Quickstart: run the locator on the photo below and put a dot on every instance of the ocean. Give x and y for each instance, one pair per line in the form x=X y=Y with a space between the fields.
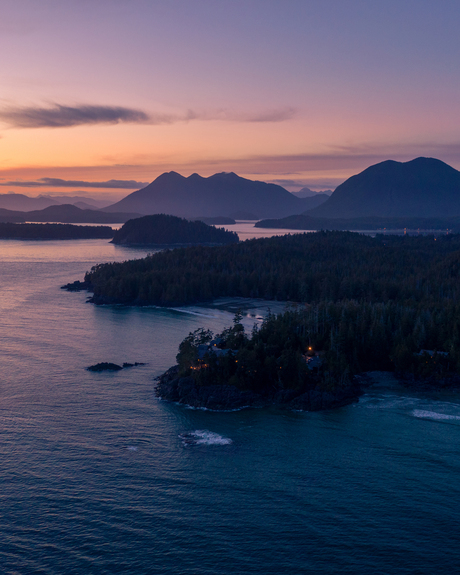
x=98 y=476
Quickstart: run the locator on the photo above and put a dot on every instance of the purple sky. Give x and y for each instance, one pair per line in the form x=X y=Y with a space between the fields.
x=298 y=92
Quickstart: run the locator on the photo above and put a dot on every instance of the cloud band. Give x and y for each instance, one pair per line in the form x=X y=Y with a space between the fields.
x=59 y=183
x=59 y=116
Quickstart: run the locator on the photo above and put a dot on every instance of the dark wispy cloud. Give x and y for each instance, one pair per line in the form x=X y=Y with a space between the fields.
x=58 y=116
x=59 y=183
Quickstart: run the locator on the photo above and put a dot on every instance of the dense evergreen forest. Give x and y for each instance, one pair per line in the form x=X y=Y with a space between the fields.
x=161 y=229
x=53 y=232
x=315 y=267
x=323 y=346
x=365 y=303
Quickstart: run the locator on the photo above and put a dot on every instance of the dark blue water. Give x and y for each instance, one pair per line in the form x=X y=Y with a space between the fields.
x=98 y=476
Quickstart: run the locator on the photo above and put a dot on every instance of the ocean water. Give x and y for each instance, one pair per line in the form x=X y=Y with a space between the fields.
x=97 y=476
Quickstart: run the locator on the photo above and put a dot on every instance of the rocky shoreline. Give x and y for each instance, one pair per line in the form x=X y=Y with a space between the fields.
x=184 y=390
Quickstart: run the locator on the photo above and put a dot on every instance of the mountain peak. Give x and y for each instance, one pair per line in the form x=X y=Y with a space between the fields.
x=226 y=176
x=218 y=195
x=168 y=176
x=421 y=187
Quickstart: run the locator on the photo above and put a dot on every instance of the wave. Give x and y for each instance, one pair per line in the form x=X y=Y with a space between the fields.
x=191 y=312
x=435 y=415
x=204 y=437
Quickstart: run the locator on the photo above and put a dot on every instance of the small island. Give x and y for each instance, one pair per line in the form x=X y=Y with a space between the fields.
x=215 y=221
x=109 y=366
x=164 y=230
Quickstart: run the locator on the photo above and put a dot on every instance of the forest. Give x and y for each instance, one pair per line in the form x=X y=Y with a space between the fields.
x=364 y=303
x=53 y=232
x=312 y=267
x=325 y=345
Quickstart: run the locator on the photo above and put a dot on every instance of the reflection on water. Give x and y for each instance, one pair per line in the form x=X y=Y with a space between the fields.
x=98 y=476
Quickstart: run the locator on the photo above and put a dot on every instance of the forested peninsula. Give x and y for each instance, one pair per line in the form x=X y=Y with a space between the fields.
x=164 y=230
x=383 y=303
x=313 y=268
x=53 y=232
x=277 y=365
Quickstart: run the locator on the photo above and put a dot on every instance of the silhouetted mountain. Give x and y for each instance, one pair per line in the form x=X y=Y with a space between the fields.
x=91 y=203
x=66 y=214
x=307 y=193
x=11 y=216
x=313 y=201
x=219 y=195
x=161 y=229
x=85 y=206
x=424 y=187
x=23 y=203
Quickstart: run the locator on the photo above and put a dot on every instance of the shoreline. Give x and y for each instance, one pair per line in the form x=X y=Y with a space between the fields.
x=226 y=398
x=185 y=391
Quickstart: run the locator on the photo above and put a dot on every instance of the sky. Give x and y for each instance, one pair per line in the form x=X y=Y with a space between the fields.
x=102 y=96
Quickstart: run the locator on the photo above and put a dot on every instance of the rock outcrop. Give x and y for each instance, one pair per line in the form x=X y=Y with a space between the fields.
x=184 y=390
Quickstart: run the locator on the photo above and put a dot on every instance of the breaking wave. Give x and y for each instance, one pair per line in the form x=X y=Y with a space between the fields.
x=424 y=414
x=204 y=437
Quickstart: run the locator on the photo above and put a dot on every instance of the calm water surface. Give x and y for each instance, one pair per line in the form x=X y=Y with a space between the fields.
x=98 y=476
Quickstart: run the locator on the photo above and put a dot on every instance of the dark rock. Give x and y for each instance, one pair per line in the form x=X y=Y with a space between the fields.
x=135 y=364
x=104 y=366
x=184 y=390
x=77 y=286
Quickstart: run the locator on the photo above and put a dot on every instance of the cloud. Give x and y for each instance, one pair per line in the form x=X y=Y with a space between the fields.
x=279 y=115
x=58 y=183
x=225 y=115
x=65 y=116
x=58 y=116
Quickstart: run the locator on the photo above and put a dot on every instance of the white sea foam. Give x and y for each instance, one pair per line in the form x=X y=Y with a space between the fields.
x=424 y=414
x=191 y=312
x=204 y=437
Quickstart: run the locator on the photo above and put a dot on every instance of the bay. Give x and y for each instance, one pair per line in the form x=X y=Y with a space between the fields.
x=98 y=476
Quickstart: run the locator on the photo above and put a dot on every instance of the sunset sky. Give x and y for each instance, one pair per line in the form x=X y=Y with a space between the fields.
x=298 y=92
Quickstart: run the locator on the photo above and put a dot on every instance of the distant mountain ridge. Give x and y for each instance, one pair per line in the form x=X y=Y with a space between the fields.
x=24 y=203
x=65 y=213
x=222 y=194
x=424 y=187
x=307 y=193
x=318 y=199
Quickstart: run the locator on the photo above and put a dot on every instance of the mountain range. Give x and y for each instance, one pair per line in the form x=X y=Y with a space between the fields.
x=307 y=193
x=224 y=194
x=420 y=188
x=65 y=213
x=24 y=203
x=424 y=187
